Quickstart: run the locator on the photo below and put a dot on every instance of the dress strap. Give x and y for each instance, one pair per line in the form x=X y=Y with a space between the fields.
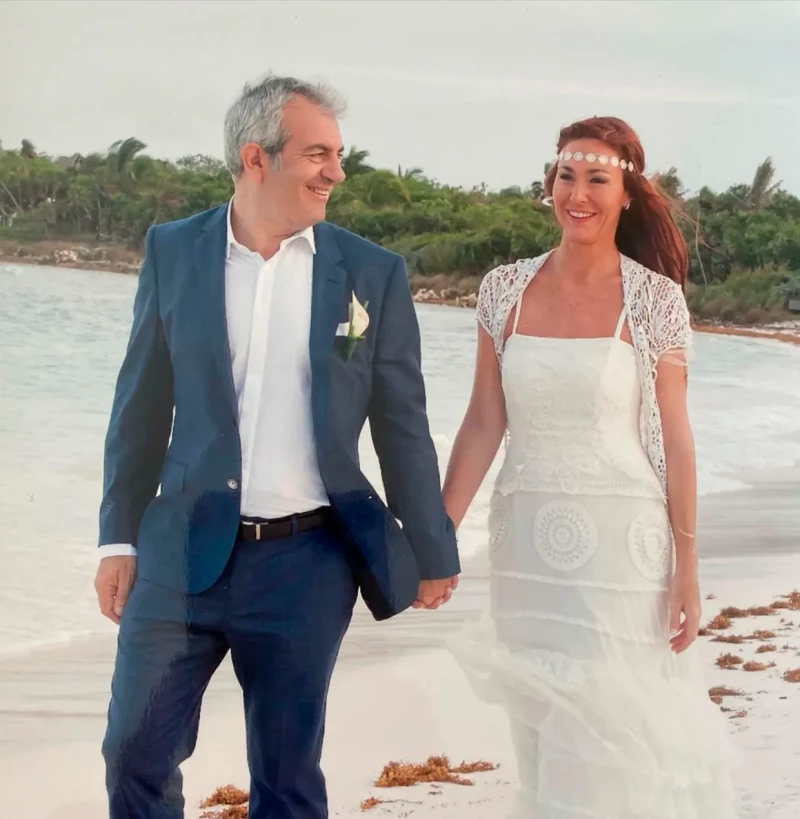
x=620 y=323
x=517 y=310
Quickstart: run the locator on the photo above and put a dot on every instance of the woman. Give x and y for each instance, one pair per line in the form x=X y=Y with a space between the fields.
x=582 y=359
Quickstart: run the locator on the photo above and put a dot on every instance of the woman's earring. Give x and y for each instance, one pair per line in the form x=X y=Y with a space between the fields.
x=547 y=200
x=626 y=205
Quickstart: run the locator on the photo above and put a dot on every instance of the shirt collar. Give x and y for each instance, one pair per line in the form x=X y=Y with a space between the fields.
x=307 y=234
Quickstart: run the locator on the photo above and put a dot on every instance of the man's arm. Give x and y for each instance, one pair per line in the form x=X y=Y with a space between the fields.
x=136 y=441
x=401 y=435
x=141 y=416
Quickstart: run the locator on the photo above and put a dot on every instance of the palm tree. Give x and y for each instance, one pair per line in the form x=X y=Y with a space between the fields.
x=670 y=183
x=121 y=154
x=79 y=202
x=354 y=163
x=762 y=190
x=94 y=174
x=27 y=150
x=409 y=173
x=68 y=163
x=383 y=189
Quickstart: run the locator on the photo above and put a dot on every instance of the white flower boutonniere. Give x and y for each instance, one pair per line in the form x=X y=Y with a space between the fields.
x=359 y=321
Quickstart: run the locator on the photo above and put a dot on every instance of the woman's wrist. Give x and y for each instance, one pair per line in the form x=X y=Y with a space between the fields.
x=686 y=563
x=685 y=550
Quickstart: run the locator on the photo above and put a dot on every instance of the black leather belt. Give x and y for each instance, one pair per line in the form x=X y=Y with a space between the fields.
x=277 y=528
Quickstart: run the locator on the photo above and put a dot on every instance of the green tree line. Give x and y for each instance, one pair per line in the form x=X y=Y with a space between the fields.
x=749 y=233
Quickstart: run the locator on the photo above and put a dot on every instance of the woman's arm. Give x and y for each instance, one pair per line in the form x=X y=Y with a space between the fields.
x=679 y=451
x=480 y=433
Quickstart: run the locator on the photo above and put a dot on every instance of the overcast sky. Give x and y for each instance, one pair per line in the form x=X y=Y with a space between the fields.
x=470 y=91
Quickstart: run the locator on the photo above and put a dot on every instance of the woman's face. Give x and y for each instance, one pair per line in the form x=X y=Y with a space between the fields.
x=588 y=195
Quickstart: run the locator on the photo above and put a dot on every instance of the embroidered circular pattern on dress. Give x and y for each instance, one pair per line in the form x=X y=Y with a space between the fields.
x=650 y=545
x=499 y=522
x=564 y=534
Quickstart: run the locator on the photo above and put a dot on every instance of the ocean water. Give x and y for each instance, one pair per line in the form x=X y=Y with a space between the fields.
x=63 y=334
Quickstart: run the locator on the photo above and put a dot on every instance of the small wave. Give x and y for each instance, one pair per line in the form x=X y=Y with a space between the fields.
x=709 y=483
x=24 y=646
x=720 y=381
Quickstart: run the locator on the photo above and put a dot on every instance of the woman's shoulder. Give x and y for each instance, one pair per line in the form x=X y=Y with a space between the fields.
x=656 y=283
x=658 y=303
x=653 y=297
x=500 y=290
x=506 y=277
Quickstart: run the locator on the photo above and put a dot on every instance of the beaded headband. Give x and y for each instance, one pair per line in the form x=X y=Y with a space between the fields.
x=603 y=159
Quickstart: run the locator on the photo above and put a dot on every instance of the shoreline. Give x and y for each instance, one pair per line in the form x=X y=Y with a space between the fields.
x=113 y=259
x=787 y=331
x=74 y=255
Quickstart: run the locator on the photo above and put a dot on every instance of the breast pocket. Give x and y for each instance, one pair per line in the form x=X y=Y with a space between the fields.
x=352 y=374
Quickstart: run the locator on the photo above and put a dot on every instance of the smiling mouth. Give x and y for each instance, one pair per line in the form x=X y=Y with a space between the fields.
x=323 y=193
x=580 y=215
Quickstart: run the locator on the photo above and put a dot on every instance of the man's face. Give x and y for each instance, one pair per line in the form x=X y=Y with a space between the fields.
x=296 y=187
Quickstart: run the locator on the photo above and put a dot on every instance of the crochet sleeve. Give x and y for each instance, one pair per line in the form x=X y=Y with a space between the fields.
x=487 y=303
x=672 y=327
x=495 y=298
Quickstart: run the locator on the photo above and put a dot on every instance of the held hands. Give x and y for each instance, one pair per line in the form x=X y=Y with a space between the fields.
x=435 y=593
x=113 y=583
x=684 y=600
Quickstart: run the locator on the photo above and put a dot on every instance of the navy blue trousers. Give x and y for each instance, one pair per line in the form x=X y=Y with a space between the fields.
x=281 y=608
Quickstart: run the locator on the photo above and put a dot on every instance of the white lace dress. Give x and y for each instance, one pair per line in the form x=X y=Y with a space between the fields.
x=607 y=721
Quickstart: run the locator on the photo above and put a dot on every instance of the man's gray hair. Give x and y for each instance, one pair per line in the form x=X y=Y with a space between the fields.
x=257 y=115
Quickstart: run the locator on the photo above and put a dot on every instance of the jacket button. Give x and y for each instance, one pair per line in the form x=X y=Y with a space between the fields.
x=232 y=484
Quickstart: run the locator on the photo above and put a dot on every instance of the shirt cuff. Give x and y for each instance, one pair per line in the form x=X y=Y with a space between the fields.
x=117 y=550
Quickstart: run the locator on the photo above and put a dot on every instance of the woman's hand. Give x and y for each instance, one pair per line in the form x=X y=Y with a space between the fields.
x=684 y=609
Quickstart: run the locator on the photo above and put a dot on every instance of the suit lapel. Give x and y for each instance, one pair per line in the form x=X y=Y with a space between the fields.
x=210 y=253
x=328 y=294
x=328 y=308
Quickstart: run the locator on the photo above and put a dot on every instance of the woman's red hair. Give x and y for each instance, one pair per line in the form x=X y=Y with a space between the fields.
x=647 y=231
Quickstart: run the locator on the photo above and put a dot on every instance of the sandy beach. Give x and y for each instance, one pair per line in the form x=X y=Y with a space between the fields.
x=398 y=695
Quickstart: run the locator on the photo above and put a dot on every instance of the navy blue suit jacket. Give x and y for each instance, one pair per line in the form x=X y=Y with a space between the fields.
x=176 y=381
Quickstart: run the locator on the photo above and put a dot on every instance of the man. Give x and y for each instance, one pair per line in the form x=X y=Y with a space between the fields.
x=262 y=340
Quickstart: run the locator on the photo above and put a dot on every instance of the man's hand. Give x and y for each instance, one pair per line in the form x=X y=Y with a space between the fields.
x=113 y=583
x=435 y=593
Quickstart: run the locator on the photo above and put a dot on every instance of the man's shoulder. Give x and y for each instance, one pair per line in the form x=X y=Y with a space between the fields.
x=189 y=225
x=355 y=247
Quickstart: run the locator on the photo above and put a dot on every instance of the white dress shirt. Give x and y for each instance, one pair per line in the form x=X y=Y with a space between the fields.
x=268 y=311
